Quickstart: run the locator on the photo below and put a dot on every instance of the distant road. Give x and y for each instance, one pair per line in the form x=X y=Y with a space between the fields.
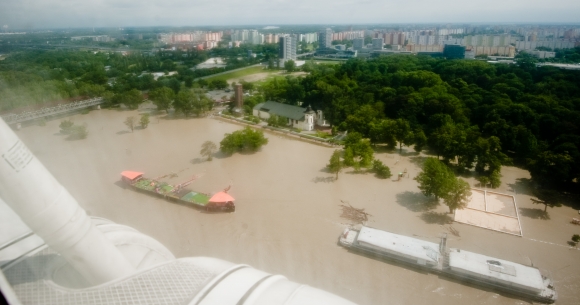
x=305 y=54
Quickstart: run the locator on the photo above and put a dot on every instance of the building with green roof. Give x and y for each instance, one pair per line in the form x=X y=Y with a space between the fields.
x=298 y=117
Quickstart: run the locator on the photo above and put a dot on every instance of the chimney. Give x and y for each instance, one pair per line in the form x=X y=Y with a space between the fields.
x=239 y=96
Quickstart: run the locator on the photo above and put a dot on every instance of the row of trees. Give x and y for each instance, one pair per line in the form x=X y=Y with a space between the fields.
x=187 y=102
x=357 y=154
x=131 y=121
x=436 y=178
x=29 y=78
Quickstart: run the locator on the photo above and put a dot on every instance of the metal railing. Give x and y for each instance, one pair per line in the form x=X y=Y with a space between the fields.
x=49 y=111
x=335 y=141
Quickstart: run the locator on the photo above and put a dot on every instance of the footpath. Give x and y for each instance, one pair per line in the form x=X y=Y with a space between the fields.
x=277 y=131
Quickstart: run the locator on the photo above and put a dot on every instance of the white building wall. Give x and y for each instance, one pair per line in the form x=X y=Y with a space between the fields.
x=309 y=122
x=261 y=114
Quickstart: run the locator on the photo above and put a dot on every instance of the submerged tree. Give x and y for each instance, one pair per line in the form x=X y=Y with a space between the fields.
x=144 y=120
x=358 y=152
x=548 y=198
x=575 y=239
x=381 y=169
x=73 y=131
x=335 y=165
x=162 y=98
x=130 y=122
x=184 y=102
x=78 y=132
x=457 y=195
x=403 y=133
x=131 y=99
x=66 y=126
x=245 y=139
x=495 y=179
x=192 y=102
x=419 y=139
x=436 y=179
x=208 y=148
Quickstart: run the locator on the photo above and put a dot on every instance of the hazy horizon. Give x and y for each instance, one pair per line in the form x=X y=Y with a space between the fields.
x=51 y=14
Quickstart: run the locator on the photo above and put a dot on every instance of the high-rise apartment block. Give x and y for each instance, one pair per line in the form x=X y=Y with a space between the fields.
x=378 y=43
x=443 y=32
x=325 y=38
x=248 y=36
x=453 y=51
x=287 y=48
x=487 y=40
x=349 y=35
x=308 y=37
x=554 y=44
x=240 y=35
x=358 y=43
x=206 y=40
x=255 y=38
x=271 y=38
x=394 y=38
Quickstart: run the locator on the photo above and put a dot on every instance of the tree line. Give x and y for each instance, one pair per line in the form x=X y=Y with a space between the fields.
x=31 y=78
x=472 y=114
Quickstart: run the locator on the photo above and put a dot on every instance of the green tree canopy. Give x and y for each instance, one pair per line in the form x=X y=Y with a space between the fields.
x=289 y=66
x=217 y=84
x=208 y=148
x=335 y=165
x=435 y=179
x=162 y=97
x=184 y=102
x=457 y=196
x=246 y=139
x=144 y=120
x=201 y=103
x=402 y=132
x=358 y=152
x=66 y=126
x=131 y=99
x=130 y=122
x=277 y=121
x=419 y=139
x=381 y=169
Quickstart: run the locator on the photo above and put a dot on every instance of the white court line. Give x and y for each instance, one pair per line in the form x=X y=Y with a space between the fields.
x=549 y=243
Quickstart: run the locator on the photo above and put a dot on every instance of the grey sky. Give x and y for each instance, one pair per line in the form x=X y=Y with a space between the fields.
x=100 y=13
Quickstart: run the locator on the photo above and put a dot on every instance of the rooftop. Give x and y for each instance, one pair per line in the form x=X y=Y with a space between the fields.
x=283 y=110
x=495 y=268
x=416 y=248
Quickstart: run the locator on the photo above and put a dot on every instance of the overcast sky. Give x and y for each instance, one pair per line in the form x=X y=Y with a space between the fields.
x=39 y=14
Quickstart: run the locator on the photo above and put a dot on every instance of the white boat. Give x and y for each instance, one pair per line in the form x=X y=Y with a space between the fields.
x=510 y=277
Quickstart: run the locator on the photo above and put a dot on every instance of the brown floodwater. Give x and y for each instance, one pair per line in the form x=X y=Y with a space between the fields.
x=287 y=216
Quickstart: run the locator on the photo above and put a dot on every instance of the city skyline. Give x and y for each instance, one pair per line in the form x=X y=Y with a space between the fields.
x=37 y=14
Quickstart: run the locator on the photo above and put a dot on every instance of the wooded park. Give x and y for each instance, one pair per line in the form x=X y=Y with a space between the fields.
x=472 y=114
